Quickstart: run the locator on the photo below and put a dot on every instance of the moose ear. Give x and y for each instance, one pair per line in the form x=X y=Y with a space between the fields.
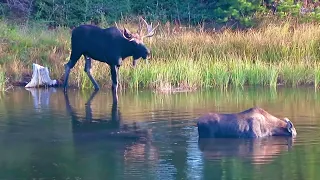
x=127 y=34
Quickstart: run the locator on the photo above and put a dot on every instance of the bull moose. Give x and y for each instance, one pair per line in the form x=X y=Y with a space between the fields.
x=110 y=45
x=251 y=123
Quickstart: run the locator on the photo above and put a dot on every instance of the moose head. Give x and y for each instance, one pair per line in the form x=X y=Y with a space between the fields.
x=136 y=40
x=290 y=128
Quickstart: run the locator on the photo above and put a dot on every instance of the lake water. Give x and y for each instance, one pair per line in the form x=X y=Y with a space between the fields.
x=47 y=135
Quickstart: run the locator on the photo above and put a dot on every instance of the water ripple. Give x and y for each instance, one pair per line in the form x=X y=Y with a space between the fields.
x=50 y=138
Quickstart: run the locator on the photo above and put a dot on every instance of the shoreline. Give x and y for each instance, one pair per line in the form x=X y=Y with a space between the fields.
x=167 y=90
x=271 y=56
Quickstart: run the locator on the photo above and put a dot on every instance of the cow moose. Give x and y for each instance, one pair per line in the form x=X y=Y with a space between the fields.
x=110 y=45
x=251 y=123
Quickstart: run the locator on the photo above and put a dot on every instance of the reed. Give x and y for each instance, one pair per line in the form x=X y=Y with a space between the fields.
x=2 y=79
x=316 y=77
x=285 y=54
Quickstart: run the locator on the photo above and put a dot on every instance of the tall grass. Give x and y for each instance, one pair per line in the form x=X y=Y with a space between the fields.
x=283 y=54
x=2 y=79
x=316 y=76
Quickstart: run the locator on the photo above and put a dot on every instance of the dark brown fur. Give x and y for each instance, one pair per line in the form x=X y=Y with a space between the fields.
x=252 y=123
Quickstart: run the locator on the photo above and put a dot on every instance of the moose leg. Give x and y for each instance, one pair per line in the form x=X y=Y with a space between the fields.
x=88 y=106
x=71 y=111
x=134 y=63
x=114 y=76
x=87 y=70
x=66 y=76
x=73 y=60
x=115 y=115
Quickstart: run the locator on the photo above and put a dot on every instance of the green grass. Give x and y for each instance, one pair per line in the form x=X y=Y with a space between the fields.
x=272 y=55
x=316 y=77
x=2 y=79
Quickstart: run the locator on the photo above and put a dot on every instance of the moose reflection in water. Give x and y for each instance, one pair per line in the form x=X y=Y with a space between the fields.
x=110 y=138
x=258 y=150
x=102 y=127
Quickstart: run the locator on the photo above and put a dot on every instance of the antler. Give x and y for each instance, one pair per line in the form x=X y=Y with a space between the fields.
x=150 y=30
x=140 y=27
x=125 y=33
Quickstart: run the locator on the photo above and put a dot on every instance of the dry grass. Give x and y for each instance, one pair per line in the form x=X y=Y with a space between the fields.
x=283 y=54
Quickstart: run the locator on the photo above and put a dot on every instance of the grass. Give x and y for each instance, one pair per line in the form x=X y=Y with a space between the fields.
x=276 y=54
x=2 y=79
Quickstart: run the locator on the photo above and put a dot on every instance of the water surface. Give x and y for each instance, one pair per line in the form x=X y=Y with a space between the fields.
x=45 y=134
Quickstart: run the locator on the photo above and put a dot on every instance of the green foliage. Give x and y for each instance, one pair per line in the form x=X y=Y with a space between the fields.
x=291 y=9
x=286 y=8
x=192 y=12
x=72 y=13
x=239 y=10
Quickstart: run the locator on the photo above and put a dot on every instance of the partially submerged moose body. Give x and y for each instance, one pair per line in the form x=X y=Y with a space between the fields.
x=110 y=45
x=252 y=123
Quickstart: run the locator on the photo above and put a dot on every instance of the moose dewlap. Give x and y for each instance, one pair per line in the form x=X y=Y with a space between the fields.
x=251 y=123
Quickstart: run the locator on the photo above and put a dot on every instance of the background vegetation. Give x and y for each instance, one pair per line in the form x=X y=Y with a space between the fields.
x=213 y=44
x=191 y=12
